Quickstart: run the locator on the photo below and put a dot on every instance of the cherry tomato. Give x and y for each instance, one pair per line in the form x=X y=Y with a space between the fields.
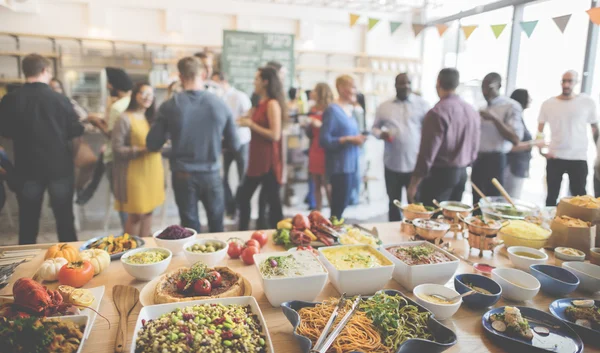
x=253 y=242
x=76 y=274
x=202 y=287
x=234 y=250
x=214 y=278
x=260 y=237
x=181 y=285
x=248 y=254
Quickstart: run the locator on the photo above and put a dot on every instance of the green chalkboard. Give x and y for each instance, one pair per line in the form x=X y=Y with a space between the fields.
x=244 y=52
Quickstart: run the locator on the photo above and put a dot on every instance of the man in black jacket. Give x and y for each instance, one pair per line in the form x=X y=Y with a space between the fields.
x=42 y=124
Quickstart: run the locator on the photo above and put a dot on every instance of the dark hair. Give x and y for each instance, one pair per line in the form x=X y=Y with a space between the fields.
x=493 y=77
x=190 y=67
x=275 y=65
x=293 y=93
x=274 y=89
x=62 y=87
x=522 y=96
x=221 y=75
x=449 y=79
x=202 y=55
x=151 y=111
x=34 y=64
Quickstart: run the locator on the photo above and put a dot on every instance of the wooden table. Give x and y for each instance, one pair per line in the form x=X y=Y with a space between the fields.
x=466 y=323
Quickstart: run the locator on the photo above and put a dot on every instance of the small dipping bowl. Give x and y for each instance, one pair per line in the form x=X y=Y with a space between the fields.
x=595 y=256
x=523 y=262
x=516 y=285
x=440 y=311
x=477 y=300
x=560 y=255
x=483 y=269
x=555 y=281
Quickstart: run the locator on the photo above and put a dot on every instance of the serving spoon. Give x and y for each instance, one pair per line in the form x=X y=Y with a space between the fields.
x=455 y=298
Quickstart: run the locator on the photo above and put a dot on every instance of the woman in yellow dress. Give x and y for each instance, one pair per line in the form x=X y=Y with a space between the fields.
x=138 y=174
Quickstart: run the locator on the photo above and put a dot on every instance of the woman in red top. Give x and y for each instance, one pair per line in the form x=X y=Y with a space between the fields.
x=265 y=166
x=322 y=96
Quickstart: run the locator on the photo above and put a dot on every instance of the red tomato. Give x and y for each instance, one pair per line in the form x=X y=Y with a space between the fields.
x=181 y=285
x=253 y=242
x=235 y=249
x=248 y=254
x=76 y=274
x=202 y=287
x=214 y=278
x=260 y=237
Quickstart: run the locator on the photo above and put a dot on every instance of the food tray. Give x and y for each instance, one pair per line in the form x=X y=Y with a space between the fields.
x=118 y=255
x=445 y=338
x=588 y=335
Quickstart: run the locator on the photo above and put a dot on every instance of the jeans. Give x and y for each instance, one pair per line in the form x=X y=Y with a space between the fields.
x=109 y=175
x=31 y=197
x=241 y=160
x=394 y=183
x=487 y=167
x=341 y=190
x=270 y=188
x=189 y=189
x=443 y=184
x=556 y=168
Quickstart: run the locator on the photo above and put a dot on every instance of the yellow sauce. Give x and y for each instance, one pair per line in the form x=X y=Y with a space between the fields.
x=529 y=255
x=434 y=300
x=355 y=257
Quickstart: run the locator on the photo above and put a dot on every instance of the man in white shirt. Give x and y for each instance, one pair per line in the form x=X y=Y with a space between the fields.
x=398 y=123
x=568 y=116
x=240 y=105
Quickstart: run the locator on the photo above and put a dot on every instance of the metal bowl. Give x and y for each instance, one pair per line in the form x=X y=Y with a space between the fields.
x=429 y=229
x=407 y=228
x=411 y=215
x=482 y=230
x=450 y=209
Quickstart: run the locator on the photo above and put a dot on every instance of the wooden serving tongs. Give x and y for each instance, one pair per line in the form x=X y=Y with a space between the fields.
x=125 y=298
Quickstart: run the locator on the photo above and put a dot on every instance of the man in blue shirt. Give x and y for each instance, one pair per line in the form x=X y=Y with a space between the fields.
x=196 y=121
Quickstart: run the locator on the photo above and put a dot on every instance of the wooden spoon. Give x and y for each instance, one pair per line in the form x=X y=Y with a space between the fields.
x=503 y=192
x=479 y=192
x=125 y=298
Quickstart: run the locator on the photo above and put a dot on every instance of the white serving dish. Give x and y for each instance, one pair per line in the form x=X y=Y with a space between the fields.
x=440 y=311
x=508 y=278
x=411 y=276
x=79 y=320
x=175 y=245
x=98 y=293
x=280 y=290
x=154 y=311
x=588 y=274
x=358 y=281
x=209 y=259
x=146 y=272
x=523 y=263
x=566 y=257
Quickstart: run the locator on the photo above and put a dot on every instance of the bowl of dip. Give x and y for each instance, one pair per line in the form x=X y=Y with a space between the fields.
x=568 y=254
x=146 y=263
x=441 y=309
x=522 y=257
x=356 y=269
x=287 y=276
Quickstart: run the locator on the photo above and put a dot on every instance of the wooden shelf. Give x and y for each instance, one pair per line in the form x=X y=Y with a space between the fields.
x=21 y=54
x=172 y=61
x=9 y=80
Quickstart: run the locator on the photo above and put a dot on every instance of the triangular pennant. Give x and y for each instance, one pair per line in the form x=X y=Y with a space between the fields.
x=373 y=22
x=394 y=26
x=562 y=22
x=468 y=30
x=417 y=28
x=528 y=27
x=594 y=14
x=498 y=29
x=353 y=19
x=442 y=28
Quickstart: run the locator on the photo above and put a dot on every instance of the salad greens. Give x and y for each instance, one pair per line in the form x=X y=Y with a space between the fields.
x=282 y=237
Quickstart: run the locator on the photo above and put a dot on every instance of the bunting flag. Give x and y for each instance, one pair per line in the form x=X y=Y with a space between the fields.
x=442 y=28
x=394 y=26
x=417 y=28
x=373 y=22
x=562 y=22
x=468 y=30
x=498 y=29
x=353 y=19
x=594 y=14
x=528 y=27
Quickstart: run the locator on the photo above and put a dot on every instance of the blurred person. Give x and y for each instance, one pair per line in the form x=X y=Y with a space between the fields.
x=240 y=105
x=398 y=122
x=174 y=88
x=207 y=59
x=449 y=143
x=501 y=129
x=41 y=124
x=138 y=175
x=265 y=166
x=359 y=113
x=322 y=95
x=197 y=122
x=341 y=139
x=568 y=116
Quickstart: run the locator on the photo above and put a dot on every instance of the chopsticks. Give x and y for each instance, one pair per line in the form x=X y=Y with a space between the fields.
x=503 y=192
x=331 y=338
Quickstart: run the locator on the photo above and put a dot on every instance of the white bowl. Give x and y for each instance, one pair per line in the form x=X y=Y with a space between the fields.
x=588 y=274
x=440 y=311
x=175 y=245
x=358 y=281
x=280 y=290
x=411 y=276
x=153 y=312
x=522 y=262
x=565 y=257
x=516 y=284
x=146 y=272
x=209 y=259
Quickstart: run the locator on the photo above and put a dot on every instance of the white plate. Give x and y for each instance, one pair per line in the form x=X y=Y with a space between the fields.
x=80 y=320
x=154 y=311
